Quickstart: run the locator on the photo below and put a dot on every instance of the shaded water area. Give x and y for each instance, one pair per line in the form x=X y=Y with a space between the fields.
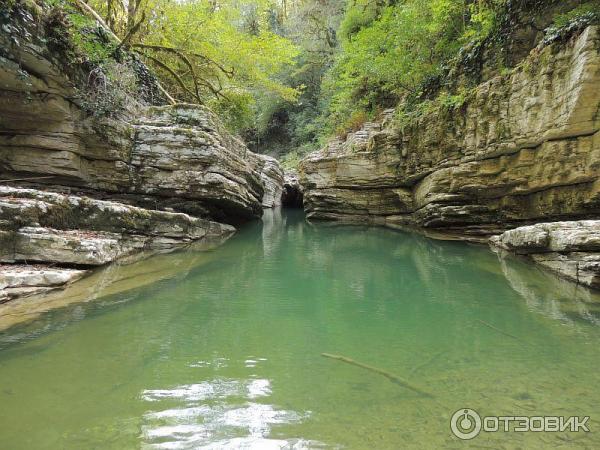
x=225 y=350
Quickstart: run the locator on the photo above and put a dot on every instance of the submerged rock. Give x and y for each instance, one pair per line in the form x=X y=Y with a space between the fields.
x=571 y=249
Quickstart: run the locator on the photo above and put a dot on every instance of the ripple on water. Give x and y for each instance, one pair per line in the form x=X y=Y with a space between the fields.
x=217 y=414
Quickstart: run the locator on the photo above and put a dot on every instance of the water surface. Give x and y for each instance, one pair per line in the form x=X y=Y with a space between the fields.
x=227 y=353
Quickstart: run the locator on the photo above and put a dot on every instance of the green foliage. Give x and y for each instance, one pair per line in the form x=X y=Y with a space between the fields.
x=483 y=20
x=280 y=124
x=236 y=111
x=225 y=55
x=451 y=102
x=89 y=39
x=389 y=57
x=445 y=103
x=291 y=160
x=361 y=14
x=587 y=10
x=287 y=74
x=110 y=88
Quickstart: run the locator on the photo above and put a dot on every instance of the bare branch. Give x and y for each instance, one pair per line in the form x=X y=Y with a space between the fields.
x=228 y=72
x=177 y=78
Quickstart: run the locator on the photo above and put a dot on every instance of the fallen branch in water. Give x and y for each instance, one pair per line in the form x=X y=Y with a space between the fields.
x=426 y=363
x=489 y=325
x=390 y=376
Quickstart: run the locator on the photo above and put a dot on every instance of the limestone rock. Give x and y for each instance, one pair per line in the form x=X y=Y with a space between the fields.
x=271 y=175
x=30 y=207
x=524 y=148
x=71 y=230
x=571 y=236
x=21 y=281
x=74 y=231
x=178 y=157
x=571 y=249
x=171 y=173
x=70 y=247
x=185 y=152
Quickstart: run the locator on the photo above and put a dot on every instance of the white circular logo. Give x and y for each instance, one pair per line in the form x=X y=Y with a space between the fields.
x=465 y=424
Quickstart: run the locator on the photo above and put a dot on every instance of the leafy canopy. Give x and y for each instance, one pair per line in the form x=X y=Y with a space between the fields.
x=389 y=49
x=222 y=53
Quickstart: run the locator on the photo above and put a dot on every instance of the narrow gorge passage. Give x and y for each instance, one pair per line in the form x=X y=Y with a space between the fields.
x=225 y=352
x=299 y=224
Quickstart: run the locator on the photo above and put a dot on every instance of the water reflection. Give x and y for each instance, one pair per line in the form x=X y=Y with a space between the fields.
x=549 y=295
x=224 y=352
x=122 y=276
x=217 y=414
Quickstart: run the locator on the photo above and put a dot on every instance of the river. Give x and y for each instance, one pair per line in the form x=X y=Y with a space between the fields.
x=227 y=353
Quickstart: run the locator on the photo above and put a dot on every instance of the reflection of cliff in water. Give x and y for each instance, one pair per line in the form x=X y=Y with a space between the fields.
x=370 y=266
x=121 y=276
x=408 y=258
x=550 y=295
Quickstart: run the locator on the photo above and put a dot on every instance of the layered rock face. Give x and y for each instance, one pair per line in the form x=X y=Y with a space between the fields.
x=178 y=157
x=293 y=194
x=76 y=233
x=175 y=157
x=524 y=148
x=571 y=249
x=272 y=177
x=90 y=187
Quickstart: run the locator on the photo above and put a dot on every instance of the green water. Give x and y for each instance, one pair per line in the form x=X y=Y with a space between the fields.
x=227 y=354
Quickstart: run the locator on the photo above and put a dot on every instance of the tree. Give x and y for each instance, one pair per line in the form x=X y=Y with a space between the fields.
x=221 y=53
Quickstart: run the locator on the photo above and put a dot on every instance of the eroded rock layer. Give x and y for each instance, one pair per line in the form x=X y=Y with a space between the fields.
x=98 y=172
x=178 y=157
x=523 y=148
x=571 y=249
x=79 y=232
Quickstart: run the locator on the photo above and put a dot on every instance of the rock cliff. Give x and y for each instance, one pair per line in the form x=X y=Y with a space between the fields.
x=178 y=157
x=523 y=147
x=87 y=187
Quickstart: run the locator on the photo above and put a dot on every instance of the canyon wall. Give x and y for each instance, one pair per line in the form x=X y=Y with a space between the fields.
x=524 y=147
x=85 y=186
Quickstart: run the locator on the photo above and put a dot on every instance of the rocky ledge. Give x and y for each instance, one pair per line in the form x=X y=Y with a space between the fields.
x=66 y=235
x=25 y=280
x=570 y=249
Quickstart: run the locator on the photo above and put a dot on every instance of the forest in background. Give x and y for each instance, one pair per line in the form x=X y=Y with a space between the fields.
x=286 y=75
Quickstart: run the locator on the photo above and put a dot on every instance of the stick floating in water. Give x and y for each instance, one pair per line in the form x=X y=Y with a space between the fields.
x=390 y=376
x=489 y=325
